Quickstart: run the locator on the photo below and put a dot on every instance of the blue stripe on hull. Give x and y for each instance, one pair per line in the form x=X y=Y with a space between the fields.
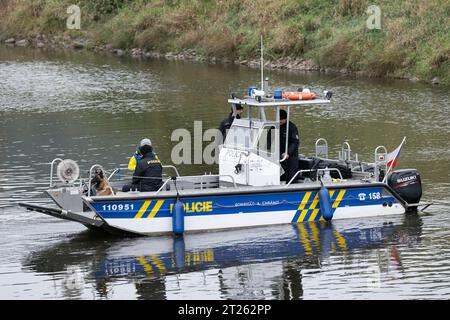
x=248 y=203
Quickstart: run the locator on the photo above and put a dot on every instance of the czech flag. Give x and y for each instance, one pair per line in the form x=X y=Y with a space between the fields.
x=393 y=156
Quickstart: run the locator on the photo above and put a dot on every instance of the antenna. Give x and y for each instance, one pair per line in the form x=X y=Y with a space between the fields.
x=262 y=64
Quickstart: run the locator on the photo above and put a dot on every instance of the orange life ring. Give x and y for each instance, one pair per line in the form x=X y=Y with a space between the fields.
x=299 y=95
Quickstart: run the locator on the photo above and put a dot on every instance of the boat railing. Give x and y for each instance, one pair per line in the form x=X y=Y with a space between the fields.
x=51 y=185
x=296 y=174
x=51 y=170
x=218 y=176
x=164 y=184
x=172 y=167
x=380 y=160
x=201 y=177
x=118 y=170
x=321 y=149
x=317 y=173
x=344 y=155
x=346 y=151
x=147 y=178
x=114 y=172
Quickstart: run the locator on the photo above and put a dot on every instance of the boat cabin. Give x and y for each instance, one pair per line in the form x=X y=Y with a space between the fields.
x=250 y=154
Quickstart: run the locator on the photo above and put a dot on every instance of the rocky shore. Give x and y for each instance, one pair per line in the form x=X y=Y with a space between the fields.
x=45 y=42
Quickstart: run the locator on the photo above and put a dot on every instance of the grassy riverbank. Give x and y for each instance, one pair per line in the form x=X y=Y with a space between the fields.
x=413 y=42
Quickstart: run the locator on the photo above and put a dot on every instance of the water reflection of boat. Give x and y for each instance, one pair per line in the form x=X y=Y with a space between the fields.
x=279 y=251
x=310 y=241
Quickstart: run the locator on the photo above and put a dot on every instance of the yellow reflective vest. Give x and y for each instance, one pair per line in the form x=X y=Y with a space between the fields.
x=133 y=161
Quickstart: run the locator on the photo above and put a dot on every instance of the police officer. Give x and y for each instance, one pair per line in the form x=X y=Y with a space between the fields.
x=226 y=123
x=148 y=173
x=290 y=164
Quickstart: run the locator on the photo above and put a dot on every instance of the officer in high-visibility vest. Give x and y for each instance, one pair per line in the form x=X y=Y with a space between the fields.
x=147 y=175
x=136 y=155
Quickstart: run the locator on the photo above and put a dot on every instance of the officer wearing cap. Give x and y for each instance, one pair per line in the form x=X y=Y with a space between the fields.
x=226 y=123
x=290 y=165
x=147 y=175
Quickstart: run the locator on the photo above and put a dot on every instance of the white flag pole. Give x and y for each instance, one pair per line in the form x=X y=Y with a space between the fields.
x=262 y=64
x=392 y=163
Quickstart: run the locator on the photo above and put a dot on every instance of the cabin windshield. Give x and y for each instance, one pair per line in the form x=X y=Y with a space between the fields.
x=259 y=137
x=241 y=137
x=266 y=142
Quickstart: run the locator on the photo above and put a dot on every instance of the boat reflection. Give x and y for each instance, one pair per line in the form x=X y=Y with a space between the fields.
x=151 y=264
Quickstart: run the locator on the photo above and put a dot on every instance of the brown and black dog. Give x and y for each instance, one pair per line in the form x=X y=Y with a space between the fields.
x=100 y=183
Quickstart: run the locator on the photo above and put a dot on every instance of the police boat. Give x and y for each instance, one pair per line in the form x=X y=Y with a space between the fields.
x=247 y=190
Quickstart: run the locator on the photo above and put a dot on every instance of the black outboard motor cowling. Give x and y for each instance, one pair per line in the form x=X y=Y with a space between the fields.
x=407 y=184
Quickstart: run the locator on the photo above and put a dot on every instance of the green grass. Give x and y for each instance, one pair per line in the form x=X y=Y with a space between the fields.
x=414 y=39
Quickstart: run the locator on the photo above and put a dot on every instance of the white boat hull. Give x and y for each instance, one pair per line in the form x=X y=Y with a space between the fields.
x=203 y=212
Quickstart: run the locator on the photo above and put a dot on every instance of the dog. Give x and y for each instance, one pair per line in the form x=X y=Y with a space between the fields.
x=100 y=184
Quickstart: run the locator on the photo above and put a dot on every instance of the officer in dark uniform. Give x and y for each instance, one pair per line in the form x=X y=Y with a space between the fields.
x=290 y=164
x=226 y=123
x=148 y=173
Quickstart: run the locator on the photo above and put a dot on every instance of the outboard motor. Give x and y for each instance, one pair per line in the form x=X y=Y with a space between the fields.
x=407 y=184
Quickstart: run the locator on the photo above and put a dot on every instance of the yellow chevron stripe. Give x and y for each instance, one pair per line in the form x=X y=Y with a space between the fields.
x=142 y=209
x=147 y=268
x=302 y=206
x=340 y=240
x=196 y=257
x=339 y=198
x=313 y=215
x=156 y=208
x=304 y=238
x=312 y=206
x=302 y=215
x=158 y=263
x=315 y=235
x=315 y=202
x=210 y=255
x=304 y=200
x=316 y=211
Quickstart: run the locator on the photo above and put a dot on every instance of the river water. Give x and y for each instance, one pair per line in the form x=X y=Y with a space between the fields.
x=95 y=110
